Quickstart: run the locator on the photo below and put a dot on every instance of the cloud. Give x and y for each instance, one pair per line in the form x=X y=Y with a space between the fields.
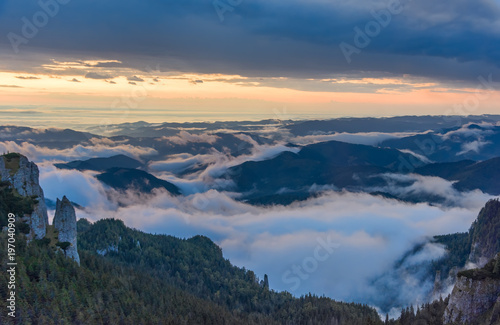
x=80 y=187
x=10 y=86
x=180 y=162
x=419 y=156
x=27 y=78
x=474 y=146
x=427 y=187
x=408 y=283
x=467 y=130
x=95 y=75
x=16 y=111
x=185 y=137
x=135 y=78
x=412 y=43
x=109 y=64
x=39 y=153
x=217 y=164
x=366 y=138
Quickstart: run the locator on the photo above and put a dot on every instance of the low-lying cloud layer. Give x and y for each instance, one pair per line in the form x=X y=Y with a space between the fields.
x=214 y=166
x=366 y=138
x=39 y=153
x=336 y=244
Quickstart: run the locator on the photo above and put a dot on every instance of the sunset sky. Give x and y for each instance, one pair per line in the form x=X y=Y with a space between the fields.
x=84 y=62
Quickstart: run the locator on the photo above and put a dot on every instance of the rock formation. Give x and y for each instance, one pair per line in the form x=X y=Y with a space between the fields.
x=65 y=224
x=23 y=176
x=485 y=240
x=470 y=299
x=475 y=297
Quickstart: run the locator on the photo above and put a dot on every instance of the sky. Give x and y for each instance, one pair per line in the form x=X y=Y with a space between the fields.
x=69 y=62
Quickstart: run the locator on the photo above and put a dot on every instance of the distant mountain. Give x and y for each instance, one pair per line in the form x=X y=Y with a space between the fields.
x=50 y=138
x=470 y=142
x=389 y=124
x=340 y=164
x=153 y=130
x=191 y=142
x=127 y=178
x=470 y=175
x=102 y=164
x=51 y=204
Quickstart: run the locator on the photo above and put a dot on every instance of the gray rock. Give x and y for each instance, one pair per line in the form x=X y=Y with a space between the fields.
x=110 y=248
x=470 y=299
x=65 y=224
x=25 y=181
x=480 y=255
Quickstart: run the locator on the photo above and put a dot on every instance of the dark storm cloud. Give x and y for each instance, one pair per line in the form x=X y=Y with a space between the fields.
x=443 y=40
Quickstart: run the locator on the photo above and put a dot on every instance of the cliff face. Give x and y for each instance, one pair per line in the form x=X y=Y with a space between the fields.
x=471 y=299
x=484 y=234
x=23 y=175
x=476 y=296
x=65 y=224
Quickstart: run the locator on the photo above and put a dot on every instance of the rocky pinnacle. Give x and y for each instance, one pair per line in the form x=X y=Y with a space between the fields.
x=65 y=224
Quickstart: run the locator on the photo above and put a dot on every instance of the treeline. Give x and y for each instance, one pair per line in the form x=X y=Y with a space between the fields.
x=12 y=202
x=490 y=271
x=458 y=247
x=427 y=314
x=486 y=228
